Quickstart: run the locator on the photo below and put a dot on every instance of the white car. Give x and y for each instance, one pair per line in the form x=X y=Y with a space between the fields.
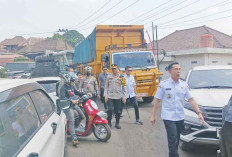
x=29 y=124
x=211 y=87
x=49 y=84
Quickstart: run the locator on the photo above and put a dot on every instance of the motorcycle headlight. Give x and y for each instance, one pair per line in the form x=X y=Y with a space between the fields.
x=94 y=105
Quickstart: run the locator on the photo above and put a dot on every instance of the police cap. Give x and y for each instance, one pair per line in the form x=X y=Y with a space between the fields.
x=114 y=66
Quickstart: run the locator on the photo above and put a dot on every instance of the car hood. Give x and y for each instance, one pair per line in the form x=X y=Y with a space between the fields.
x=212 y=97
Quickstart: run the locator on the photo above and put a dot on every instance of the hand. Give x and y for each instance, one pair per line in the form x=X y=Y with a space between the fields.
x=74 y=101
x=153 y=119
x=80 y=105
x=124 y=100
x=201 y=119
x=106 y=99
x=98 y=96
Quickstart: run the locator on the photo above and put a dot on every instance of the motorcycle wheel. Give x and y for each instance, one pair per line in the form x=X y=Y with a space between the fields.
x=102 y=132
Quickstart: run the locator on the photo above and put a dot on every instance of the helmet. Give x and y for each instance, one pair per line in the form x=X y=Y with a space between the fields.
x=70 y=76
x=88 y=69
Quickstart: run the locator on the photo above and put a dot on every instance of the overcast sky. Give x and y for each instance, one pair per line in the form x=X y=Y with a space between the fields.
x=39 y=16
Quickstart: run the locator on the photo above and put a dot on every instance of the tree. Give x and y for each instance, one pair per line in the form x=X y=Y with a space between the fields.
x=73 y=37
x=3 y=73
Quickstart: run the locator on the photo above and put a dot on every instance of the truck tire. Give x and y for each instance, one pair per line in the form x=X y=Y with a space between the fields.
x=148 y=99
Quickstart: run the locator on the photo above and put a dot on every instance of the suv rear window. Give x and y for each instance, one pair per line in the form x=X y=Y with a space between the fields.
x=19 y=121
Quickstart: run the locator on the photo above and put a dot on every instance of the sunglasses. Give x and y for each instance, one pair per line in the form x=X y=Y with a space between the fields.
x=129 y=70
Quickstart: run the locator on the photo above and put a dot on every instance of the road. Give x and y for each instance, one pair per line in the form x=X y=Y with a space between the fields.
x=133 y=140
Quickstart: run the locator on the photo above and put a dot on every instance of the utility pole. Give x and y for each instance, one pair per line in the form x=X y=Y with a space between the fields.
x=157 y=47
x=153 y=38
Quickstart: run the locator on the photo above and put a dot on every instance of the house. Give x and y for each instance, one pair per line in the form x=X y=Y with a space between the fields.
x=12 y=45
x=41 y=47
x=8 y=58
x=195 y=47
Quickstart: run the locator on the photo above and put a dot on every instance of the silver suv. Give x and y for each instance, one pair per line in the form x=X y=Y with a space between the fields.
x=211 y=86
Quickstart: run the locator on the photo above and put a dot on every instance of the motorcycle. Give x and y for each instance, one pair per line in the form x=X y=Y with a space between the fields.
x=95 y=121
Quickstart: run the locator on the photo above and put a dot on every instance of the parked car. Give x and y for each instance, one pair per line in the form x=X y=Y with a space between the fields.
x=211 y=86
x=49 y=84
x=15 y=74
x=29 y=123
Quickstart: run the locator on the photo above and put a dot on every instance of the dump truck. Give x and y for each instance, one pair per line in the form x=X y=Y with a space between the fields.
x=123 y=45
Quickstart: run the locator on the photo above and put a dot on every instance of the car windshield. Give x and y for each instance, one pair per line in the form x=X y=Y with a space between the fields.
x=135 y=59
x=49 y=86
x=210 y=79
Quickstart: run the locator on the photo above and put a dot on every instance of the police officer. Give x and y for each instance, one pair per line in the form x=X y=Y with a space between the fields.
x=102 y=80
x=112 y=93
x=89 y=84
x=78 y=82
x=173 y=92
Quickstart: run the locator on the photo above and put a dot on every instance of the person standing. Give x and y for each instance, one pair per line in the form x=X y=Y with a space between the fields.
x=131 y=93
x=78 y=82
x=173 y=92
x=226 y=131
x=112 y=93
x=89 y=84
x=102 y=80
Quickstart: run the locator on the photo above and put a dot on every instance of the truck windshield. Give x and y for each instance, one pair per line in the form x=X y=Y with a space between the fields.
x=210 y=79
x=134 y=59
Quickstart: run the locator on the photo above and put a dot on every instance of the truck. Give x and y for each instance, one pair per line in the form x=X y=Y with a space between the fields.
x=123 y=45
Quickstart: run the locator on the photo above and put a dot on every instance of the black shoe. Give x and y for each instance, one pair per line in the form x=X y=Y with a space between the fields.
x=117 y=126
x=110 y=125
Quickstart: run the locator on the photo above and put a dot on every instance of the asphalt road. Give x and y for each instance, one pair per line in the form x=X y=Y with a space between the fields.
x=133 y=140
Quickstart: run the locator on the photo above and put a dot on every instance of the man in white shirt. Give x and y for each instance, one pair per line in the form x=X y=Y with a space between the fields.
x=131 y=93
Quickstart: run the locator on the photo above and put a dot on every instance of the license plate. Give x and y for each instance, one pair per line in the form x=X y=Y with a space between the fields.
x=142 y=94
x=218 y=132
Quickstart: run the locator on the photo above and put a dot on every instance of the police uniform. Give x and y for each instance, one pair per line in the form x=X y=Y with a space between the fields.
x=113 y=86
x=173 y=95
x=90 y=85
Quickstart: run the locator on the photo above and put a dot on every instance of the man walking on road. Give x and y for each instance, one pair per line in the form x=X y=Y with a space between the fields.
x=131 y=93
x=112 y=93
x=172 y=92
x=102 y=80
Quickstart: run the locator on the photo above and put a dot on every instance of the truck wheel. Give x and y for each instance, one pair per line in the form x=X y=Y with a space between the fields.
x=102 y=132
x=148 y=99
x=185 y=146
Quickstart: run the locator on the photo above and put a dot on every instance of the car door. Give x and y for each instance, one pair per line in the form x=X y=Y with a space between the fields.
x=50 y=139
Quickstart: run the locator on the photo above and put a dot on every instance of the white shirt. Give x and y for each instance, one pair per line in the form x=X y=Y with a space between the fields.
x=173 y=95
x=130 y=84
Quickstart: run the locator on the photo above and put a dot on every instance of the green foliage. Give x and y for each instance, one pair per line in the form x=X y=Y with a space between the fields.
x=3 y=73
x=72 y=37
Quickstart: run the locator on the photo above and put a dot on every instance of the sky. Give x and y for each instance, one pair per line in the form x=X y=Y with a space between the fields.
x=41 y=18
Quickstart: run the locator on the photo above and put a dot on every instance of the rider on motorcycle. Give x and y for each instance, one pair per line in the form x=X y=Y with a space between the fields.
x=69 y=92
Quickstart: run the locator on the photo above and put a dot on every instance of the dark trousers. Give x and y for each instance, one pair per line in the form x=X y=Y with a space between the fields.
x=134 y=102
x=173 y=128
x=103 y=98
x=226 y=140
x=113 y=106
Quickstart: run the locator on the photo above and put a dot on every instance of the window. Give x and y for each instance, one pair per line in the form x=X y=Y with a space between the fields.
x=19 y=121
x=214 y=61
x=43 y=105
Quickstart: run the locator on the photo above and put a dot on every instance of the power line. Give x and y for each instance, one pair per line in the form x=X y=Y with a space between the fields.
x=197 y=18
x=148 y=11
x=197 y=22
x=197 y=12
x=159 y=12
x=103 y=13
x=122 y=10
x=105 y=4
x=176 y=10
